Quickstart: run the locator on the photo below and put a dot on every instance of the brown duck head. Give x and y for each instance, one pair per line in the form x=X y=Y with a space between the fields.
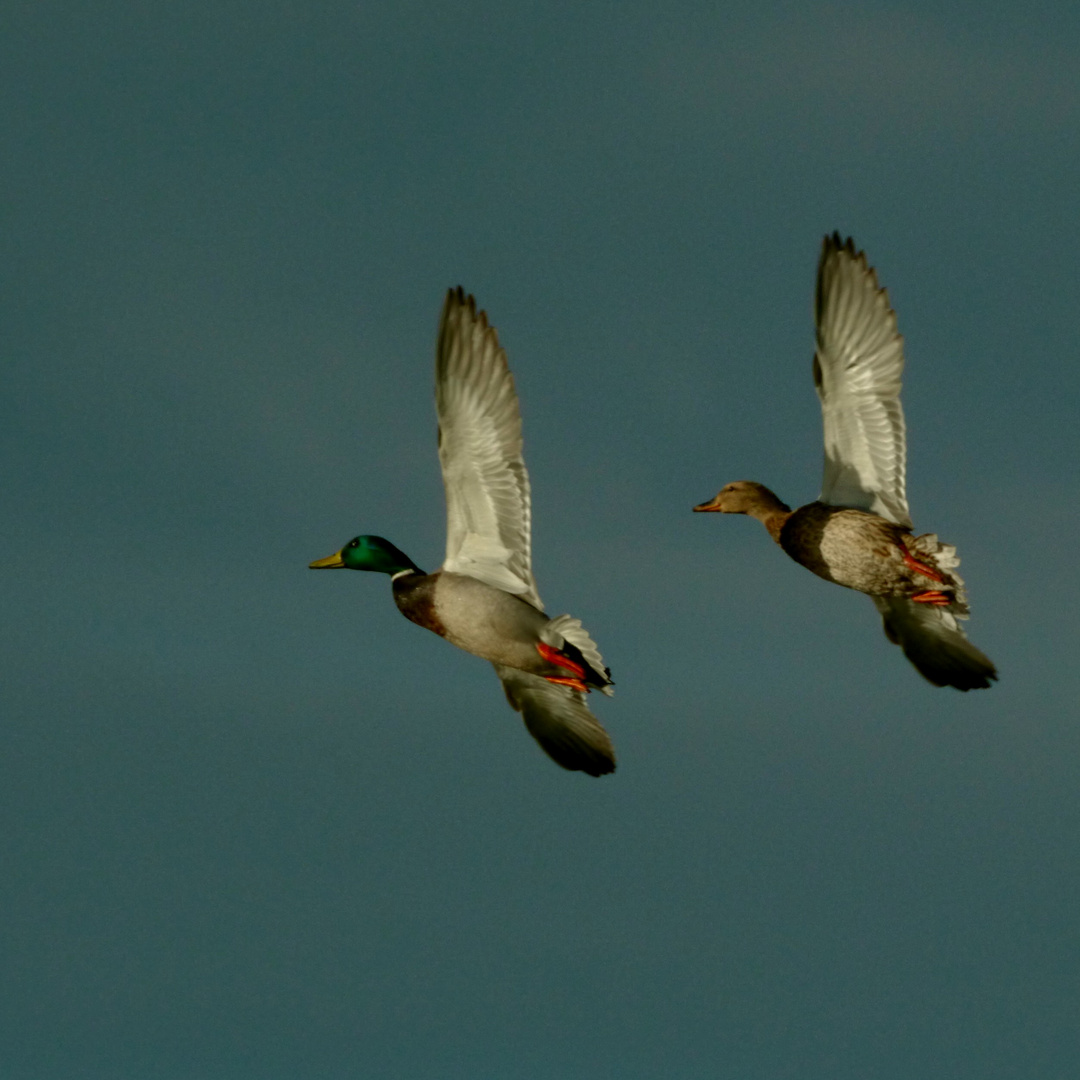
x=746 y=497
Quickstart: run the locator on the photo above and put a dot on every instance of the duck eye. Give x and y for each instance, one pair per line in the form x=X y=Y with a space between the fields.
x=354 y=543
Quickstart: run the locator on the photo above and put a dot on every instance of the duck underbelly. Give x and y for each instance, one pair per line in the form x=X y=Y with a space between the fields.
x=849 y=547
x=483 y=620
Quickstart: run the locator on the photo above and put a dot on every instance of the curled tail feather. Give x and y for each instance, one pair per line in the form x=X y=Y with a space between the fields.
x=566 y=633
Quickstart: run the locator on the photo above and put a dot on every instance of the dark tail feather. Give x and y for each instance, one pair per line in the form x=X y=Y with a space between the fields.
x=559 y=720
x=933 y=641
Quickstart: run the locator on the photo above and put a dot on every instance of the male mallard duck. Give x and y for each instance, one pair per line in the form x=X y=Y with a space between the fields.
x=858 y=533
x=484 y=598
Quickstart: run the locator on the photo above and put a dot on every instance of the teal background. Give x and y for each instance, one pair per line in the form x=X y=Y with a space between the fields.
x=255 y=824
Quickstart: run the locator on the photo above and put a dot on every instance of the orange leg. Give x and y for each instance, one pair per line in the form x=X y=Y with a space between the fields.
x=939 y=599
x=920 y=567
x=553 y=656
x=577 y=684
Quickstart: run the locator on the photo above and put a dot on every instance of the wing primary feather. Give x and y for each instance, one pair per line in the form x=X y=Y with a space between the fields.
x=488 y=529
x=858 y=365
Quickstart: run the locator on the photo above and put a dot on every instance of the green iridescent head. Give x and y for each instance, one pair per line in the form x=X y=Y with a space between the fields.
x=368 y=553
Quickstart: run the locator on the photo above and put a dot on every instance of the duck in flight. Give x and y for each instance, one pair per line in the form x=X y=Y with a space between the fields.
x=859 y=532
x=484 y=598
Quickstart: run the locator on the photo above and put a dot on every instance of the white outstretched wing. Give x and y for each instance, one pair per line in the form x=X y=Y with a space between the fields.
x=857 y=369
x=487 y=488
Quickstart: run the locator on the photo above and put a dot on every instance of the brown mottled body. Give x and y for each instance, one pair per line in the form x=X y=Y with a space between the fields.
x=476 y=617
x=855 y=549
x=910 y=578
x=858 y=533
x=850 y=547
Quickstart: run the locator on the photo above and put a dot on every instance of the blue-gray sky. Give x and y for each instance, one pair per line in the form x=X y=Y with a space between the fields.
x=255 y=824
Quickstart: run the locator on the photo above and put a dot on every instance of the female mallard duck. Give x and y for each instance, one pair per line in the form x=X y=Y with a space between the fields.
x=484 y=598
x=858 y=533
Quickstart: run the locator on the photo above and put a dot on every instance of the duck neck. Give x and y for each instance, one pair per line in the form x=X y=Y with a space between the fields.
x=775 y=522
x=771 y=512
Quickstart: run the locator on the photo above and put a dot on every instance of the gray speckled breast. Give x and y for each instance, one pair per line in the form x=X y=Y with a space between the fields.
x=478 y=618
x=850 y=547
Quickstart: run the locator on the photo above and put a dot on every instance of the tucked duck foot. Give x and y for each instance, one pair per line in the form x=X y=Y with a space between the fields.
x=553 y=656
x=939 y=599
x=568 y=680
x=920 y=567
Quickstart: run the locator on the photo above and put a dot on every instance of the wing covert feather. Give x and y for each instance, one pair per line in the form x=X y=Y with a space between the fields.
x=488 y=529
x=857 y=371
